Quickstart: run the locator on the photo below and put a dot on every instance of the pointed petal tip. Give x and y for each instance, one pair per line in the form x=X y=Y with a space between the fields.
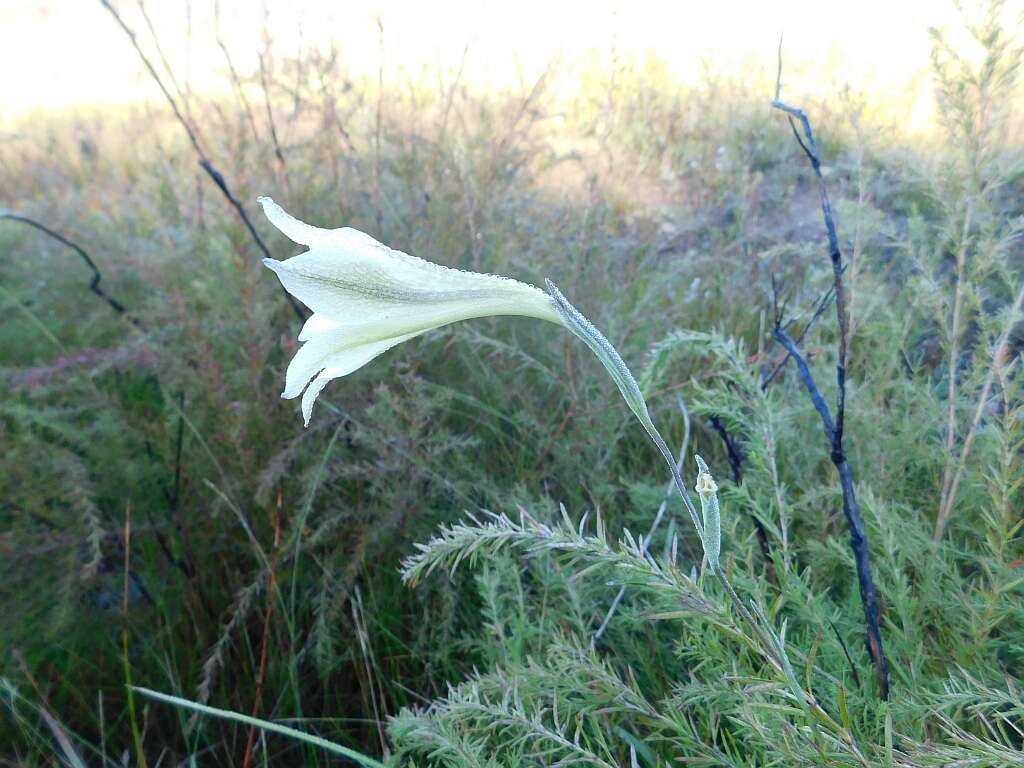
x=290 y=227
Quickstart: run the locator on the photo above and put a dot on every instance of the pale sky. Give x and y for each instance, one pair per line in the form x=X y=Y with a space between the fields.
x=59 y=52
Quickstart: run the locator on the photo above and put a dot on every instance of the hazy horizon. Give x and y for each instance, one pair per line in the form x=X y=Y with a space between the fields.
x=89 y=61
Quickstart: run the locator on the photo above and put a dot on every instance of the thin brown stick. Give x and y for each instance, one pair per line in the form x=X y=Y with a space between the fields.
x=261 y=673
x=373 y=681
x=855 y=523
x=140 y=754
x=378 y=192
x=264 y=61
x=954 y=354
x=997 y=365
x=450 y=98
x=265 y=67
x=204 y=160
x=264 y=81
x=235 y=79
x=166 y=64
x=192 y=137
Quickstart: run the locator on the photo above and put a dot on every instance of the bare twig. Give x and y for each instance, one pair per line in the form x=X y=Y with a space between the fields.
x=218 y=179
x=94 y=283
x=450 y=98
x=737 y=456
x=834 y=428
x=235 y=79
x=166 y=64
x=261 y=673
x=264 y=60
x=377 y=189
x=204 y=160
x=192 y=137
x=997 y=365
x=827 y=422
x=823 y=303
x=851 y=509
x=954 y=355
x=846 y=652
x=373 y=681
x=185 y=564
x=176 y=493
x=732 y=447
x=188 y=566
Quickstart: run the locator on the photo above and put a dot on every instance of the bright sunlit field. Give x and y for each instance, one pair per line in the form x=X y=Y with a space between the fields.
x=494 y=544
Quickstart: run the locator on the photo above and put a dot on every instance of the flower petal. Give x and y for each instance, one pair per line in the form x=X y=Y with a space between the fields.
x=306 y=234
x=312 y=357
x=327 y=357
x=316 y=386
x=316 y=324
x=343 y=364
x=366 y=298
x=351 y=279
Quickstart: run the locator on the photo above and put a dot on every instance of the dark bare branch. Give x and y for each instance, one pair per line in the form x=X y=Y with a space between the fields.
x=805 y=376
x=97 y=276
x=204 y=160
x=834 y=427
x=819 y=309
x=734 y=450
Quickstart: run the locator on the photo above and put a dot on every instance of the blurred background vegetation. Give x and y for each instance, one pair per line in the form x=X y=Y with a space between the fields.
x=165 y=520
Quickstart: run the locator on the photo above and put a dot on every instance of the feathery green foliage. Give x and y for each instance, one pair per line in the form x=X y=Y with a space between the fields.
x=263 y=573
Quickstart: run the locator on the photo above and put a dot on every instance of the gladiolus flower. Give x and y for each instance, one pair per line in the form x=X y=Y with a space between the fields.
x=366 y=298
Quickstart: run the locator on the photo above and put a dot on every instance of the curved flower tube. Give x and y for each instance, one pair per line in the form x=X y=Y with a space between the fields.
x=366 y=298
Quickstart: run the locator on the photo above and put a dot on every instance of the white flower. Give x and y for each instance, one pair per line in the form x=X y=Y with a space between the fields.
x=366 y=298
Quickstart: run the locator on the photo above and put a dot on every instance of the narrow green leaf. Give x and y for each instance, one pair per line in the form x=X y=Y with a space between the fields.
x=581 y=327
x=266 y=725
x=844 y=710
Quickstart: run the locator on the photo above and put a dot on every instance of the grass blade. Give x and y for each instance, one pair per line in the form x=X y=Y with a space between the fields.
x=266 y=725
